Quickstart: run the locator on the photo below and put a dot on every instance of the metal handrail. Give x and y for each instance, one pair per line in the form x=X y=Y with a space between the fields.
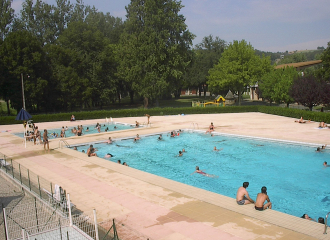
x=326 y=223
x=65 y=142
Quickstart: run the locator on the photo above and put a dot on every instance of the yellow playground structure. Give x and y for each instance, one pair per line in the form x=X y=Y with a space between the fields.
x=219 y=101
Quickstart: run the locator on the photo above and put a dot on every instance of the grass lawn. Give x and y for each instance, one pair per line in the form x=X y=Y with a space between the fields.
x=3 y=109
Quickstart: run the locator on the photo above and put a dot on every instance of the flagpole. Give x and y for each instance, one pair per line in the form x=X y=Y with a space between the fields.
x=25 y=133
x=23 y=91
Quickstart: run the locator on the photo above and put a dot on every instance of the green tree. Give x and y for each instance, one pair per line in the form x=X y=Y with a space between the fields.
x=62 y=16
x=77 y=59
x=154 y=48
x=205 y=55
x=276 y=85
x=22 y=54
x=110 y=26
x=324 y=72
x=238 y=68
x=293 y=58
x=38 y=18
x=7 y=16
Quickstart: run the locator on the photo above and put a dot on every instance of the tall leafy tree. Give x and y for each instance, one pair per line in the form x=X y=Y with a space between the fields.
x=110 y=26
x=276 y=85
x=206 y=54
x=7 y=16
x=38 y=18
x=154 y=48
x=22 y=54
x=77 y=58
x=238 y=67
x=324 y=72
x=62 y=16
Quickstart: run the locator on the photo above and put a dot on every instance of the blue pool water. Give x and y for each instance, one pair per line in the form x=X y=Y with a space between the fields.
x=294 y=175
x=92 y=129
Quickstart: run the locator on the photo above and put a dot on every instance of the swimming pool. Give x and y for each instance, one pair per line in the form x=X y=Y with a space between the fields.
x=91 y=129
x=296 y=180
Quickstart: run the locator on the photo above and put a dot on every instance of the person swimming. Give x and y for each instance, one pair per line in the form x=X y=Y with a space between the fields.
x=204 y=173
x=160 y=137
x=137 y=138
x=216 y=150
x=180 y=154
x=108 y=155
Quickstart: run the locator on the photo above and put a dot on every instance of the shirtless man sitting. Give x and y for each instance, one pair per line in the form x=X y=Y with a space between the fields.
x=261 y=198
x=242 y=196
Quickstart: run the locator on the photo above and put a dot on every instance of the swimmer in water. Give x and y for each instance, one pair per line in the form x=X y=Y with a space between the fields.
x=137 y=138
x=180 y=154
x=204 y=173
x=216 y=150
x=325 y=164
x=160 y=137
x=108 y=155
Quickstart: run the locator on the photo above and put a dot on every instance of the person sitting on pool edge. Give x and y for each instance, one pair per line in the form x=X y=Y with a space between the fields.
x=261 y=198
x=211 y=128
x=242 y=195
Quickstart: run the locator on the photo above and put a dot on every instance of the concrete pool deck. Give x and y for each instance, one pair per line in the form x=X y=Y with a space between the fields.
x=155 y=207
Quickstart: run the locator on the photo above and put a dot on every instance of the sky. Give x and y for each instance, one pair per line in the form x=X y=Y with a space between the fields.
x=268 y=25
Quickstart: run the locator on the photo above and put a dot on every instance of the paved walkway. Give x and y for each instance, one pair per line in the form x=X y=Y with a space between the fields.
x=158 y=208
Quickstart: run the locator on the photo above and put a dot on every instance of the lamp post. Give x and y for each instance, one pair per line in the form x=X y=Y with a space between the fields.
x=23 y=91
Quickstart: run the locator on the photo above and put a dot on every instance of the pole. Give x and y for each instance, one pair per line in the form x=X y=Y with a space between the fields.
x=23 y=107
x=70 y=215
x=5 y=222
x=23 y=91
x=95 y=224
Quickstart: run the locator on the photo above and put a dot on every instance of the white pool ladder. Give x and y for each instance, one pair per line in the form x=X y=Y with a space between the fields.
x=194 y=126
x=65 y=142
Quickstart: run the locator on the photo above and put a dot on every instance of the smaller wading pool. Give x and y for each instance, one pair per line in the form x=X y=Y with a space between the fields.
x=92 y=129
x=293 y=172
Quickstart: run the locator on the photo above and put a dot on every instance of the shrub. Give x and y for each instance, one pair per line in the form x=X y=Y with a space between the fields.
x=287 y=112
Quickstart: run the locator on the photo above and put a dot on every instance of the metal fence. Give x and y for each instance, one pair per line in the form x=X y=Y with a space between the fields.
x=41 y=187
x=45 y=216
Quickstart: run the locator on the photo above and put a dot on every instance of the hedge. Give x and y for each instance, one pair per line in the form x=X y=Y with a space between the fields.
x=296 y=113
x=288 y=112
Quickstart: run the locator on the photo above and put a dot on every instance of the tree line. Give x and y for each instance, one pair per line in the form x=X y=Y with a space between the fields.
x=72 y=56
